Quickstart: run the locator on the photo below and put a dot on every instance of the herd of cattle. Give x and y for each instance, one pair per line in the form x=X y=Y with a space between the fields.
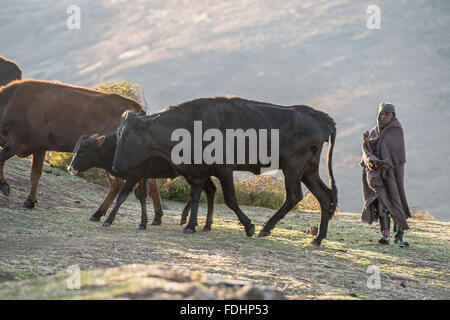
x=113 y=132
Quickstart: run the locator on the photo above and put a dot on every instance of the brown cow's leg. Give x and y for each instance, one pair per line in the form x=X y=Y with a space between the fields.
x=143 y=200
x=4 y=186
x=37 y=163
x=323 y=194
x=153 y=191
x=227 y=183
x=123 y=194
x=2 y=171
x=293 y=196
x=6 y=153
x=114 y=187
x=210 y=190
x=185 y=212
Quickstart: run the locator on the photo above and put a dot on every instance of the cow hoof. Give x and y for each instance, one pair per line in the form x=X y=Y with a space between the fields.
x=28 y=204
x=106 y=224
x=188 y=230
x=156 y=222
x=94 y=218
x=97 y=216
x=206 y=229
x=4 y=188
x=316 y=242
x=251 y=230
x=141 y=227
x=183 y=221
x=263 y=233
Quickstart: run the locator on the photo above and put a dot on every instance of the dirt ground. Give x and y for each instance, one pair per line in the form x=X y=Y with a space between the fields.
x=38 y=246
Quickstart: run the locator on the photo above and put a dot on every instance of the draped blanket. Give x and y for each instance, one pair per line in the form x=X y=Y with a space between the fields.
x=383 y=175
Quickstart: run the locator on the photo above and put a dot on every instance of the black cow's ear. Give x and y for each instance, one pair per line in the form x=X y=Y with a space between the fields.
x=150 y=119
x=141 y=113
x=147 y=120
x=127 y=114
x=99 y=141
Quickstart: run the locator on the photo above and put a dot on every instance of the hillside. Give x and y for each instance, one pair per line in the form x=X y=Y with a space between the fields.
x=318 y=53
x=37 y=247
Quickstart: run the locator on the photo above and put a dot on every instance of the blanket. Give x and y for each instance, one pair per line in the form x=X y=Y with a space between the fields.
x=383 y=174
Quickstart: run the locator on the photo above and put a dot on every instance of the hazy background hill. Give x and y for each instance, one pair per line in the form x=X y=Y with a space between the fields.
x=318 y=53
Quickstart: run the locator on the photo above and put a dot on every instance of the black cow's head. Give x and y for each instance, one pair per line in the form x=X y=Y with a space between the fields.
x=86 y=154
x=133 y=141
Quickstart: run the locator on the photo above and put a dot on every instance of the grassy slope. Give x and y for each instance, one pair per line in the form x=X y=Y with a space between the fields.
x=36 y=247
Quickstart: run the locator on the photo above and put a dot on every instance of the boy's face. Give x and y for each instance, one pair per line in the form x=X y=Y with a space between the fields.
x=386 y=116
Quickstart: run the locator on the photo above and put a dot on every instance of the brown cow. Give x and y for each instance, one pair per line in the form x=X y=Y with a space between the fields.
x=36 y=116
x=9 y=71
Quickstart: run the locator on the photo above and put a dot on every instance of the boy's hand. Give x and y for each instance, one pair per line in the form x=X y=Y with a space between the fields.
x=365 y=136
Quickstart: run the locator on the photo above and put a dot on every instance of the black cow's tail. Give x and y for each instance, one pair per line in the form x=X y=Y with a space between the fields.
x=334 y=191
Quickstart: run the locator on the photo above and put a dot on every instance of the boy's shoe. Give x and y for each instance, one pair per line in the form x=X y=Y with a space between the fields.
x=384 y=240
x=400 y=240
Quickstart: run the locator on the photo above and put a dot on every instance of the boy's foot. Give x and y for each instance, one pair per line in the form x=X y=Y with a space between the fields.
x=400 y=240
x=384 y=240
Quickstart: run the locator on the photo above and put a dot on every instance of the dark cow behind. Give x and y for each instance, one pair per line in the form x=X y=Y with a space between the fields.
x=36 y=116
x=9 y=71
x=98 y=151
x=302 y=133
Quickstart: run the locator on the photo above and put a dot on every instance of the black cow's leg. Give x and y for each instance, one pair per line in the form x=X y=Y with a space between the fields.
x=185 y=212
x=115 y=184
x=227 y=183
x=143 y=200
x=293 y=196
x=196 y=191
x=323 y=194
x=210 y=189
x=37 y=164
x=123 y=194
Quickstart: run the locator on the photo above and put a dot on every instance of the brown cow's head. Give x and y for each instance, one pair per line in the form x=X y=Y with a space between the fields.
x=86 y=154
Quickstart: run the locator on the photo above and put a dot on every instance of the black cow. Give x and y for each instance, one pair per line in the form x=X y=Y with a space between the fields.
x=98 y=151
x=302 y=133
x=9 y=71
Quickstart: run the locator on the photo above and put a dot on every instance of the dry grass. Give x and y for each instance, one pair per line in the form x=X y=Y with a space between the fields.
x=251 y=190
